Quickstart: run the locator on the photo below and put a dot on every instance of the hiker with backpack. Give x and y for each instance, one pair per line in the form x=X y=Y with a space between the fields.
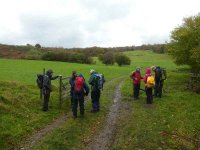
x=96 y=81
x=71 y=82
x=160 y=76
x=136 y=77
x=47 y=87
x=149 y=84
x=80 y=90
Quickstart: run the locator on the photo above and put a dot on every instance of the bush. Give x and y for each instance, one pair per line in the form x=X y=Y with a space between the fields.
x=38 y=46
x=73 y=57
x=107 y=58
x=122 y=59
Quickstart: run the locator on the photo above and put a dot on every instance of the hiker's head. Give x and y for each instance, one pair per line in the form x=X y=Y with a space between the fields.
x=153 y=68
x=92 y=71
x=138 y=69
x=148 y=70
x=80 y=75
x=74 y=74
x=49 y=72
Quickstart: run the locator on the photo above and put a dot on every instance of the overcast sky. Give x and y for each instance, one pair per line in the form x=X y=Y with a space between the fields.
x=86 y=23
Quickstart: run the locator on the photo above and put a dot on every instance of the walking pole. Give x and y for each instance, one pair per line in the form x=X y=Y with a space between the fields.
x=41 y=90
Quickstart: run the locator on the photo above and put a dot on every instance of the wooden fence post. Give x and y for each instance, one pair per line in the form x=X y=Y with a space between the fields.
x=60 y=91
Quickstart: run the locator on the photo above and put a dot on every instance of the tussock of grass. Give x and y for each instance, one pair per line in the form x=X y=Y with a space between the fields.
x=80 y=132
x=20 y=108
x=172 y=122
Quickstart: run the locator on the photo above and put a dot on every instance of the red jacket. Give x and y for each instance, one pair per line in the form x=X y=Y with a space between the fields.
x=136 y=76
x=148 y=73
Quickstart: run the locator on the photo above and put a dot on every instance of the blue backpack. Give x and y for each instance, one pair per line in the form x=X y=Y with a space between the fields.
x=99 y=81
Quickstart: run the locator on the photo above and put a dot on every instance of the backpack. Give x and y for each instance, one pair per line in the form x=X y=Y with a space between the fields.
x=158 y=74
x=99 y=81
x=150 y=82
x=39 y=80
x=164 y=73
x=79 y=82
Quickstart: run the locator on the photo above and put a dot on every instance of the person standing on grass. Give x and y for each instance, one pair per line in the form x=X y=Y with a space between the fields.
x=96 y=81
x=149 y=84
x=160 y=76
x=47 y=88
x=71 y=82
x=136 y=77
x=80 y=90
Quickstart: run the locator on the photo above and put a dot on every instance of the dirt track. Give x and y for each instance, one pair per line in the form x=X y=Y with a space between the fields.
x=39 y=135
x=106 y=138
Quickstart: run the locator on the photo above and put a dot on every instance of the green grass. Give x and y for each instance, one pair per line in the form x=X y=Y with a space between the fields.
x=20 y=112
x=172 y=122
x=145 y=128
x=20 y=105
x=25 y=71
x=76 y=133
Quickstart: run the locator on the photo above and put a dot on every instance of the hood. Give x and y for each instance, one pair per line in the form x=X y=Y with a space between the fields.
x=148 y=71
x=49 y=72
x=80 y=75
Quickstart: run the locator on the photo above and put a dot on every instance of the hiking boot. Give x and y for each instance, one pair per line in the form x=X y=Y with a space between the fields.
x=45 y=110
x=93 y=111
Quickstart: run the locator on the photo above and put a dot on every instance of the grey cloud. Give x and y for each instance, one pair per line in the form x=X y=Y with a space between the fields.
x=154 y=39
x=107 y=10
x=61 y=31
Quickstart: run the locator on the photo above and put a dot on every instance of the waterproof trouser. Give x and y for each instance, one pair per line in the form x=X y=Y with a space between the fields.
x=78 y=98
x=46 y=100
x=71 y=94
x=149 y=95
x=95 y=96
x=136 y=89
x=158 y=89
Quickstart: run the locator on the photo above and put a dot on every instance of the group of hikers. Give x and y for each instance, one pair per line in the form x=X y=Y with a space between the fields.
x=151 y=80
x=79 y=89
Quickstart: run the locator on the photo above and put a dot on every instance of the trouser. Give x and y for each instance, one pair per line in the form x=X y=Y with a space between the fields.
x=158 y=89
x=149 y=95
x=46 y=100
x=78 y=98
x=136 y=89
x=71 y=94
x=95 y=96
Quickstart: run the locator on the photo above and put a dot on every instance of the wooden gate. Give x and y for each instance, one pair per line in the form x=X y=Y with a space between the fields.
x=64 y=89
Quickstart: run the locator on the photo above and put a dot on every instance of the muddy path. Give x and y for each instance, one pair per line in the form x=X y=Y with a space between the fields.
x=37 y=136
x=106 y=137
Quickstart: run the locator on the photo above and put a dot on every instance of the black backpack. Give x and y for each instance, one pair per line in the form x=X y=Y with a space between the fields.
x=39 y=80
x=158 y=74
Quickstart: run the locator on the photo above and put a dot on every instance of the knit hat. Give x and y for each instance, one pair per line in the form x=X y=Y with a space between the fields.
x=91 y=71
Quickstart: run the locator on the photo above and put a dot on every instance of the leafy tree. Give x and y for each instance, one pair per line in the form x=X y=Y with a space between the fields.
x=38 y=46
x=185 y=43
x=108 y=58
x=122 y=59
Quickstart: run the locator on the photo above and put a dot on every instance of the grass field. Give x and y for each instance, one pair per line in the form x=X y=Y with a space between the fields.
x=169 y=122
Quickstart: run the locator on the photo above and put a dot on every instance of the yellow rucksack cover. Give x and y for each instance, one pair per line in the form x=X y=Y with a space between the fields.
x=150 y=82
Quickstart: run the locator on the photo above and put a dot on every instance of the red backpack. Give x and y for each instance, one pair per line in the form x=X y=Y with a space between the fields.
x=79 y=81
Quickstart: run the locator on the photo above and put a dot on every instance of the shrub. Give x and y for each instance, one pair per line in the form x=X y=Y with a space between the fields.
x=122 y=59
x=107 y=58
